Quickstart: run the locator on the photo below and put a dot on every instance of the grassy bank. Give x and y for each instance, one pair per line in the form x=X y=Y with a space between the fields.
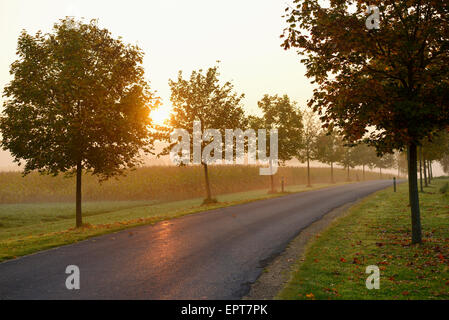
x=27 y=228
x=377 y=232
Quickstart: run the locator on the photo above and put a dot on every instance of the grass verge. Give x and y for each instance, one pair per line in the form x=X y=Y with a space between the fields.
x=28 y=228
x=377 y=231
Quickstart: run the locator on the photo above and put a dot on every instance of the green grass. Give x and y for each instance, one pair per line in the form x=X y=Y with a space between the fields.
x=377 y=232
x=445 y=188
x=28 y=228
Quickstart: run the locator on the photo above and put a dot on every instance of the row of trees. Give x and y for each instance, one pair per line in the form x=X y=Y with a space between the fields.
x=79 y=101
x=430 y=152
x=388 y=87
x=202 y=97
x=434 y=150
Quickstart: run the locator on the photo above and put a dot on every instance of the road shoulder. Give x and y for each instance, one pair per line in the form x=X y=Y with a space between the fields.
x=277 y=274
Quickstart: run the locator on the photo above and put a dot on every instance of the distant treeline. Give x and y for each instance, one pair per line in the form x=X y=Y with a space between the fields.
x=161 y=183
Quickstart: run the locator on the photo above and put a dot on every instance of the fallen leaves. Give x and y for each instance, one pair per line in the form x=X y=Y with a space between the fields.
x=310 y=296
x=409 y=271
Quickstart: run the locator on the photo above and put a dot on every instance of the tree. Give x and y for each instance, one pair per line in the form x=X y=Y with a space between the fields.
x=310 y=133
x=384 y=162
x=203 y=98
x=282 y=114
x=401 y=158
x=363 y=155
x=442 y=155
x=348 y=160
x=420 y=168
x=422 y=160
x=444 y=161
x=78 y=101
x=328 y=149
x=394 y=79
x=433 y=149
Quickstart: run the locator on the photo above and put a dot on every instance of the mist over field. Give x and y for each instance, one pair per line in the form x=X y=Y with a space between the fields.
x=162 y=183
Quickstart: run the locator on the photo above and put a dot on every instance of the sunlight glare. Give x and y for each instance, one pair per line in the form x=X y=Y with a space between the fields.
x=160 y=115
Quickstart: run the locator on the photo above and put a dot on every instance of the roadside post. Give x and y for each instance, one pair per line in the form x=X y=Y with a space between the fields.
x=394 y=183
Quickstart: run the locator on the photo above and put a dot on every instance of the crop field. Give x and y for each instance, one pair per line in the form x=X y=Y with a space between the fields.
x=161 y=183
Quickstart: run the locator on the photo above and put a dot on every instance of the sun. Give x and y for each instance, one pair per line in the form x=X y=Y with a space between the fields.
x=160 y=115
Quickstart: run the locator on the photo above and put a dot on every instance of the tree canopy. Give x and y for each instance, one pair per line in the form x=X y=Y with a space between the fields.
x=309 y=136
x=395 y=79
x=328 y=149
x=202 y=97
x=387 y=86
x=78 y=100
x=279 y=112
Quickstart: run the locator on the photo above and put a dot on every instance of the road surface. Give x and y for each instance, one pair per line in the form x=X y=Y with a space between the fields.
x=210 y=255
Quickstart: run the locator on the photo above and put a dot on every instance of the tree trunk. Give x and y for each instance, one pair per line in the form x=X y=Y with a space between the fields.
x=428 y=168
x=348 y=178
x=413 y=193
x=380 y=171
x=79 y=218
x=308 y=172
x=425 y=171
x=363 y=172
x=332 y=173
x=420 y=169
x=206 y=176
x=431 y=169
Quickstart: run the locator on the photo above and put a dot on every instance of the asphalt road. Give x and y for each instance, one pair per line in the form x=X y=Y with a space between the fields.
x=210 y=255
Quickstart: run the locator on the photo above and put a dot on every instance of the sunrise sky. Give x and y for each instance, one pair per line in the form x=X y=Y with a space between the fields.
x=178 y=35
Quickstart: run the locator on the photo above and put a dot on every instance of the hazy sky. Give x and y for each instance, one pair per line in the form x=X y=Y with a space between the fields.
x=178 y=35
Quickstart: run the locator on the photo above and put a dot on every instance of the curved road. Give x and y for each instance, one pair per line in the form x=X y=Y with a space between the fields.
x=210 y=255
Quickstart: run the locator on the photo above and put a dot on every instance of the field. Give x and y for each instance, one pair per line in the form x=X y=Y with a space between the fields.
x=162 y=183
x=377 y=232
x=42 y=216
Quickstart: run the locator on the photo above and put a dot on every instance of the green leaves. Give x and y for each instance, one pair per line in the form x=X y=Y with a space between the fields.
x=309 y=136
x=202 y=97
x=76 y=94
x=279 y=112
x=328 y=148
